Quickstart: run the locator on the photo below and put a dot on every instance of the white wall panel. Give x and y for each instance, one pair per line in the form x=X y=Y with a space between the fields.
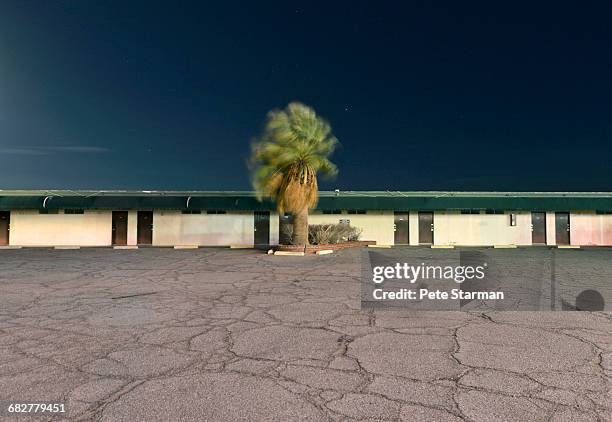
x=29 y=228
x=274 y=228
x=132 y=228
x=376 y=225
x=588 y=228
x=413 y=227
x=454 y=228
x=172 y=228
x=551 y=236
x=93 y=228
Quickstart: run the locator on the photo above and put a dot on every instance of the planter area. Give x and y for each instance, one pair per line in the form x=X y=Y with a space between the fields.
x=312 y=249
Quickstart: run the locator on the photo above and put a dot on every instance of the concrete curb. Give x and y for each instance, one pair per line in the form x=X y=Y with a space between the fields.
x=504 y=246
x=324 y=252
x=242 y=246
x=287 y=253
x=568 y=247
x=442 y=246
x=380 y=246
x=125 y=247
x=186 y=246
x=66 y=247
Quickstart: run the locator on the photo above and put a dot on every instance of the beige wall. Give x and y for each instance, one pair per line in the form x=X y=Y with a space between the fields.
x=588 y=228
x=413 y=228
x=454 y=228
x=551 y=237
x=29 y=228
x=93 y=228
x=173 y=228
x=376 y=225
x=132 y=228
x=274 y=228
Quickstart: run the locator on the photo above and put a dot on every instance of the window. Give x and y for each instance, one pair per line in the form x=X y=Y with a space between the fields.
x=497 y=212
x=600 y=212
x=47 y=211
x=74 y=211
x=332 y=211
x=216 y=212
x=356 y=212
x=191 y=212
x=470 y=211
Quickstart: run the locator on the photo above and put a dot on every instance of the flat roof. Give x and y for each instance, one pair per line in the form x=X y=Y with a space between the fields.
x=329 y=200
x=461 y=194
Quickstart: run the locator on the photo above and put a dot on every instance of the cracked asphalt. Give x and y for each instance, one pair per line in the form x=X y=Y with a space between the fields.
x=226 y=335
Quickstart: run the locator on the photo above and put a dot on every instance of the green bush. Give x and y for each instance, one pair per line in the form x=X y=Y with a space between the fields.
x=319 y=234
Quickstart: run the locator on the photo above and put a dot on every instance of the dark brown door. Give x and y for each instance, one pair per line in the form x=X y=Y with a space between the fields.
x=562 y=228
x=120 y=227
x=426 y=228
x=262 y=228
x=400 y=229
x=5 y=222
x=538 y=228
x=145 y=227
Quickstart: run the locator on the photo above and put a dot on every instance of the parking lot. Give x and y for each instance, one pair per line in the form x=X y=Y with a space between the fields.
x=218 y=334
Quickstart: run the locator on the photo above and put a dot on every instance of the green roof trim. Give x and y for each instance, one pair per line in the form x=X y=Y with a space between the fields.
x=365 y=200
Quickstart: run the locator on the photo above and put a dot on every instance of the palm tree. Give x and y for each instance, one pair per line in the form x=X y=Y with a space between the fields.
x=293 y=149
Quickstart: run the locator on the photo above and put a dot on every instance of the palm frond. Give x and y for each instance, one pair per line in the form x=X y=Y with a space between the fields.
x=287 y=158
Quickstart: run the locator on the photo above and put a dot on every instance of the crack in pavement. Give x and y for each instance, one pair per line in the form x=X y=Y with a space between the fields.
x=235 y=334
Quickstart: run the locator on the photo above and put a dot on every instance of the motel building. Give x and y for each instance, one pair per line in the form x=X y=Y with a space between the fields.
x=172 y=218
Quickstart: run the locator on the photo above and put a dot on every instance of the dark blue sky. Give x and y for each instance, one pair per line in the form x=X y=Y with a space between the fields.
x=155 y=95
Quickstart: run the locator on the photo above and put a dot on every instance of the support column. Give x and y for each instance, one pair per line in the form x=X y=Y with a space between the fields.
x=551 y=237
x=132 y=228
x=413 y=228
x=274 y=228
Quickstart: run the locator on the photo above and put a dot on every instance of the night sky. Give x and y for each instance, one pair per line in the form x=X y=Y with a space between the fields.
x=422 y=95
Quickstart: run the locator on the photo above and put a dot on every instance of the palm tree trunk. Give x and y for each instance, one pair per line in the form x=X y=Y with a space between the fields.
x=300 y=227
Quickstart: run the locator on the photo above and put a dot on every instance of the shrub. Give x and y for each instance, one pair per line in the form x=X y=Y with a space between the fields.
x=320 y=233
x=286 y=234
x=332 y=233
